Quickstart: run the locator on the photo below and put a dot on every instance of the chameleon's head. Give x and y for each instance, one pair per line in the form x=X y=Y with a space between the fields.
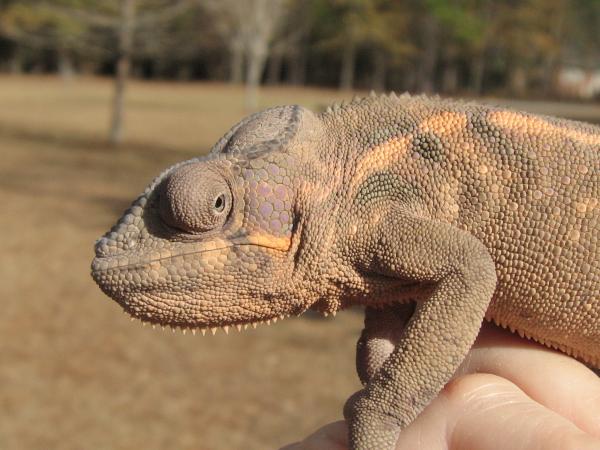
x=212 y=241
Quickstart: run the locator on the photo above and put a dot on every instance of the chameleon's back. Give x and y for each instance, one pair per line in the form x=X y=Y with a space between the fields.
x=527 y=186
x=540 y=218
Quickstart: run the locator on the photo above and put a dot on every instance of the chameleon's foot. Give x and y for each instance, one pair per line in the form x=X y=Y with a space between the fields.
x=382 y=332
x=369 y=428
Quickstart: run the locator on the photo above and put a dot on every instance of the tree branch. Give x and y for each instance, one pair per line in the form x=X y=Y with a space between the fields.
x=88 y=17
x=164 y=15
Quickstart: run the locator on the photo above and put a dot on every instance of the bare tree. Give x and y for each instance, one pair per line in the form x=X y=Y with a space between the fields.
x=230 y=24
x=348 y=63
x=377 y=28
x=290 y=43
x=429 y=53
x=275 y=62
x=126 y=28
x=248 y=26
x=128 y=22
x=130 y=17
x=264 y=20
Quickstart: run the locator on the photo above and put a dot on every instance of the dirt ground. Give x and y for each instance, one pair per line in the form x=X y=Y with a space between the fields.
x=75 y=373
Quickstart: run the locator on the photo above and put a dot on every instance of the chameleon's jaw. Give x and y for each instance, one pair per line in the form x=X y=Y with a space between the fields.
x=142 y=306
x=184 y=328
x=229 y=285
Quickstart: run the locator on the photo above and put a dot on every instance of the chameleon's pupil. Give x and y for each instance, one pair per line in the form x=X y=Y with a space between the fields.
x=220 y=203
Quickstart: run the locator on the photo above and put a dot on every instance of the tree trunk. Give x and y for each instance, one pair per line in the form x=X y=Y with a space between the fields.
x=123 y=68
x=184 y=73
x=298 y=64
x=426 y=69
x=477 y=73
x=409 y=79
x=478 y=64
x=450 y=72
x=236 y=61
x=379 y=71
x=87 y=68
x=518 y=81
x=257 y=56
x=552 y=60
x=450 y=78
x=274 y=67
x=15 y=64
x=66 y=70
x=347 y=69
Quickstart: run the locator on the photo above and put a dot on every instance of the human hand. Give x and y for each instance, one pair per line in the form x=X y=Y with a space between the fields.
x=508 y=393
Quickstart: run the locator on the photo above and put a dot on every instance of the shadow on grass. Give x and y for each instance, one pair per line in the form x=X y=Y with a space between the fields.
x=82 y=179
x=93 y=144
x=73 y=206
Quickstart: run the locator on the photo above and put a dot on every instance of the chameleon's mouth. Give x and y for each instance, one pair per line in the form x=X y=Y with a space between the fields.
x=138 y=260
x=133 y=261
x=188 y=285
x=185 y=327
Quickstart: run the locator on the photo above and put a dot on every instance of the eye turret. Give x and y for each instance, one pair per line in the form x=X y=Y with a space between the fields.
x=195 y=199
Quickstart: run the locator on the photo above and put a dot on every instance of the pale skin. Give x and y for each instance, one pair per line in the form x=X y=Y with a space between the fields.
x=508 y=393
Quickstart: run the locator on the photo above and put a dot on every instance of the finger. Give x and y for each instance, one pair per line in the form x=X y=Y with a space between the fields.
x=553 y=379
x=486 y=412
x=333 y=436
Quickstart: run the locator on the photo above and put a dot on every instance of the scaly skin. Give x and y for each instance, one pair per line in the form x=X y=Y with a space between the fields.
x=465 y=210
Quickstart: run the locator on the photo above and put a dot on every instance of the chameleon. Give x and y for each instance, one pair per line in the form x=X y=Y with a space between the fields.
x=434 y=214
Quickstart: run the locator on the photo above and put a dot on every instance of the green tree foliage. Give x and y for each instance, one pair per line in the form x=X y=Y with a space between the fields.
x=377 y=27
x=39 y=26
x=453 y=46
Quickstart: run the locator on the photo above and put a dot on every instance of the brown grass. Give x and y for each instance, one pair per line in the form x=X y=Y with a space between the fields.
x=74 y=372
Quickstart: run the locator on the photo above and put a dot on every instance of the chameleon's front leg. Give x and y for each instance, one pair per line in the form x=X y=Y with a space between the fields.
x=461 y=278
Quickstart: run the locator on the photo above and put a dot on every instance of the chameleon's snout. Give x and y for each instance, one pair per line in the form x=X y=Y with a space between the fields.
x=124 y=236
x=101 y=249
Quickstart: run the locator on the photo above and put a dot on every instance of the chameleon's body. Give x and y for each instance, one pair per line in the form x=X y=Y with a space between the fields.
x=467 y=210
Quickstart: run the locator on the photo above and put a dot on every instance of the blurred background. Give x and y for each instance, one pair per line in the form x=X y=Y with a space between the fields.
x=98 y=96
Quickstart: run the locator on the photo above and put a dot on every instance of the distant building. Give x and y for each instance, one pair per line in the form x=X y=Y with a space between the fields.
x=578 y=82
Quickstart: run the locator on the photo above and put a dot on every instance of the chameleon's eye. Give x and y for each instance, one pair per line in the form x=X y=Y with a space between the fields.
x=195 y=199
x=220 y=203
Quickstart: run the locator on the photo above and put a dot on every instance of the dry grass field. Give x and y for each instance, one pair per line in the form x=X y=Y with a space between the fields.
x=74 y=372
